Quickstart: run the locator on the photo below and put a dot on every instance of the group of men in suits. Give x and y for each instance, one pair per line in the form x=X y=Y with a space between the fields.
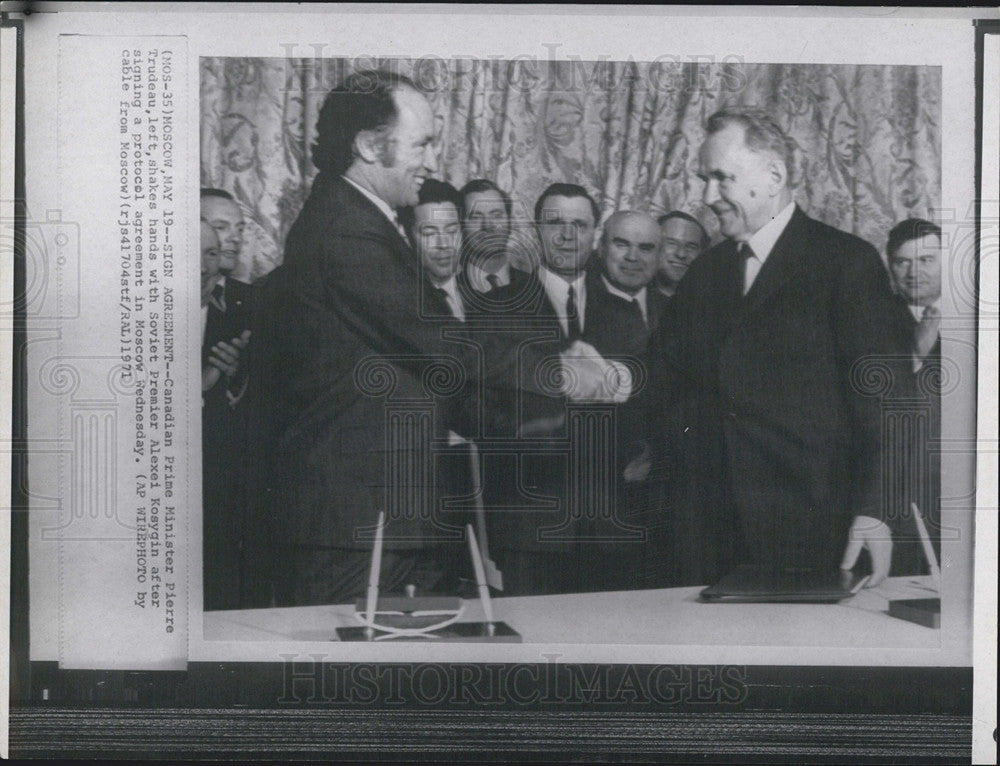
x=647 y=417
x=555 y=517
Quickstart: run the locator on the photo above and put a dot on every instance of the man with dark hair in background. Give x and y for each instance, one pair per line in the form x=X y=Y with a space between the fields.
x=346 y=336
x=435 y=230
x=537 y=528
x=683 y=239
x=566 y=217
x=224 y=337
x=914 y=256
x=436 y=234
x=775 y=440
x=233 y=302
x=488 y=280
x=486 y=219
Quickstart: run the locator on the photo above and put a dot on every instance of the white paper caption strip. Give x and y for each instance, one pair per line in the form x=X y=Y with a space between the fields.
x=120 y=375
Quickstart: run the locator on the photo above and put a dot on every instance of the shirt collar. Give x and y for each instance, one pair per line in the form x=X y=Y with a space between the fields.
x=762 y=243
x=918 y=311
x=478 y=277
x=449 y=286
x=557 y=291
x=557 y=288
x=380 y=203
x=639 y=297
x=220 y=281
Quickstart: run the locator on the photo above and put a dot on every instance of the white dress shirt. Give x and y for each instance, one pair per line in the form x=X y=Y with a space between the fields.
x=639 y=297
x=918 y=314
x=557 y=291
x=918 y=311
x=762 y=243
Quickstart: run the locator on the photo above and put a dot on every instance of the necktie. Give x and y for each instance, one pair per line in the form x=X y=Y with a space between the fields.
x=572 y=320
x=494 y=281
x=441 y=293
x=926 y=334
x=219 y=297
x=450 y=302
x=749 y=266
x=402 y=230
x=636 y=308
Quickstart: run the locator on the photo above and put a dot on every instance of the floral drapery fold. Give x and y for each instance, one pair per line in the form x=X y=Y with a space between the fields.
x=869 y=137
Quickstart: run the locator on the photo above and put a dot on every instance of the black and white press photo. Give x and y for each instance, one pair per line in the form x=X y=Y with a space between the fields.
x=642 y=325
x=591 y=375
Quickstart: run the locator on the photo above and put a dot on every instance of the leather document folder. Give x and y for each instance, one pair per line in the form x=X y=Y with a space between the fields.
x=749 y=584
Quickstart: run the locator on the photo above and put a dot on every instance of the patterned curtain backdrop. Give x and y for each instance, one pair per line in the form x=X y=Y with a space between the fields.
x=868 y=137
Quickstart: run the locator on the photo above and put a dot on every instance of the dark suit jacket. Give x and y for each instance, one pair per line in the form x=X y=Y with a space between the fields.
x=923 y=485
x=631 y=520
x=526 y=460
x=615 y=329
x=241 y=304
x=357 y=363
x=224 y=449
x=519 y=297
x=774 y=400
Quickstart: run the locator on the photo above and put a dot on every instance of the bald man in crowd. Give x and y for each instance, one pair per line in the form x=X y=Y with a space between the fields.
x=623 y=312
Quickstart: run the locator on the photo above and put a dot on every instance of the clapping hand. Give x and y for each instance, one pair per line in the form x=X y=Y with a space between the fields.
x=223 y=359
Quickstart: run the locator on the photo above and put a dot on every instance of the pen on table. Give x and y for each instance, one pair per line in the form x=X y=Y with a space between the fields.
x=477 y=565
x=374 y=573
x=494 y=577
x=925 y=541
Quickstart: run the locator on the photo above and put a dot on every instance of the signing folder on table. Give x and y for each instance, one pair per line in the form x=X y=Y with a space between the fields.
x=749 y=584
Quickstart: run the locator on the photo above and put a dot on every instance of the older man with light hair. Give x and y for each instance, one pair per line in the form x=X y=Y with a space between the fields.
x=776 y=431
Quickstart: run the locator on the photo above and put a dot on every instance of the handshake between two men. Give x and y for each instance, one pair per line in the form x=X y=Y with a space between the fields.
x=587 y=376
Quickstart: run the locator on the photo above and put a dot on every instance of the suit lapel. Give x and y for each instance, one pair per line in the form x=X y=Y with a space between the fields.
x=234 y=297
x=780 y=264
x=731 y=302
x=656 y=304
x=376 y=222
x=435 y=303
